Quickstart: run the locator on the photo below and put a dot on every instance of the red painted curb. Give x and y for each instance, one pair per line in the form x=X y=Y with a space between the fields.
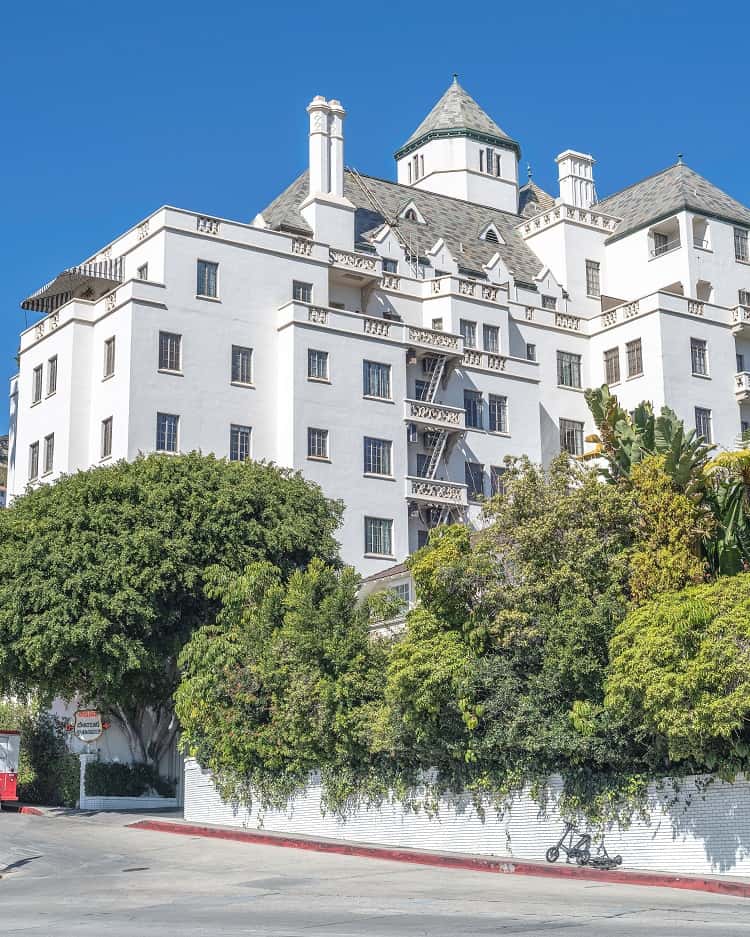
x=476 y=864
x=21 y=808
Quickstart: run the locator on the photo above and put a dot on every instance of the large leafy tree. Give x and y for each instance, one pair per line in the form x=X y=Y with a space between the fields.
x=103 y=575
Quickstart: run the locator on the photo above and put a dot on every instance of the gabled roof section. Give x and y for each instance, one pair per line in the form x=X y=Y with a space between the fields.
x=532 y=200
x=678 y=188
x=456 y=221
x=457 y=114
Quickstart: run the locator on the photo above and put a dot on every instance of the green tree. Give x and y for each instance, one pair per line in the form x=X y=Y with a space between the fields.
x=102 y=575
x=287 y=682
x=680 y=673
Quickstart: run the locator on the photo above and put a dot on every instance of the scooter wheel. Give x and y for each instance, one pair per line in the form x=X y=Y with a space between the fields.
x=583 y=857
x=552 y=854
x=618 y=860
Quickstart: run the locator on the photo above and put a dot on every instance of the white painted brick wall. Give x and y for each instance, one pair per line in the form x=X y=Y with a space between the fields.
x=700 y=834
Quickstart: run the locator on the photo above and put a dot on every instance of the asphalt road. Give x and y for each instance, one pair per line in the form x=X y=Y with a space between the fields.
x=92 y=877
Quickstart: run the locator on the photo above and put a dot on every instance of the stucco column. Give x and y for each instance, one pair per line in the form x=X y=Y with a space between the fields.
x=337 y=146
x=320 y=169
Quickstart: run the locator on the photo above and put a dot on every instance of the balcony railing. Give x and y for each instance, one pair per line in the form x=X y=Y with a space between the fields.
x=740 y=318
x=665 y=248
x=742 y=385
x=433 y=339
x=435 y=414
x=362 y=263
x=433 y=491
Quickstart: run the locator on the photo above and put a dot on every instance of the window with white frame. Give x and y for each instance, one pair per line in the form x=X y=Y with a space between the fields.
x=142 y=272
x=568 y=369
x=744 y=297
x=317 y=364
x=703 y=423
x=106 y=438
x=474 y=477
x=378 y=536
x=52 y=375
x=33 y=461
x=239 y=442
x=741 y=251
x=530 y=351
x=498 y=413
x=571 y=436
x=549 y=302
x=468 y=330
x=302 y=292
x=437 y=325
x=167 y=430
x=377 y=456
x=170 y=351
x=317 y=443
x=634 y=354
x=497 y=479
x=612 y=366
x=390 y=265
x=49 y=454
x=491 y=336
x=376 y=380
x=403 y=593
x=109 y=357
x=36 y=383
x=208 y=279
x=474 y=407
x=490 y=161
x=593 y=287
x=699 y=356
x=242 y=364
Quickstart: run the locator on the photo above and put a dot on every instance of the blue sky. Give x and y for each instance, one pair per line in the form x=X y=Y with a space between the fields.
x=110 y=111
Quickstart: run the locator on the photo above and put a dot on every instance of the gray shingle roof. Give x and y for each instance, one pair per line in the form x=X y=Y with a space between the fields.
x=457 y=111
x=674 y=189
x=459 y=223
x=532 y=200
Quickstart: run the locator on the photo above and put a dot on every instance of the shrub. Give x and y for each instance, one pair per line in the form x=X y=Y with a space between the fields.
x=115 y=779
x=48 y=773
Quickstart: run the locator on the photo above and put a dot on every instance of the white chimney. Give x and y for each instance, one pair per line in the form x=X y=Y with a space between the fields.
x=336 y=126
x=576 y=175
x=320 y=146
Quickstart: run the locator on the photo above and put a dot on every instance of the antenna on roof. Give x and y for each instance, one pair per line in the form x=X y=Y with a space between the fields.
x=528 y=171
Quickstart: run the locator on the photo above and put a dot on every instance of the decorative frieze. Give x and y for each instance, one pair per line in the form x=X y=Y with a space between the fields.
x=318 y=315
x=302 y=246
x=496 y=362
x=629 y=310
x=110 y=301
x=466 y=287
x=564 y=320
x=609 y=318
x=142 y=230
x=695 y=308
x=39 y=329
x=437 y=286
x=206 y=225
x=376 y=327
x=391 y=282
x=591 y=219
x=435 y=339
x=490 y=293
x=529 y=313
x=356 y=261
x=435 y=414
x=438 y=491
x=53 y=321
x=472 y=359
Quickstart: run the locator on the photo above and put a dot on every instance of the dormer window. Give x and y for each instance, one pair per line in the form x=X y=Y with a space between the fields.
x=410 y=215
x=410 y=212
x=492 y=235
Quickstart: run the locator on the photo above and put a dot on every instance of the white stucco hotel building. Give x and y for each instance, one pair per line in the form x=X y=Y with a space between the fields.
x=393 y=340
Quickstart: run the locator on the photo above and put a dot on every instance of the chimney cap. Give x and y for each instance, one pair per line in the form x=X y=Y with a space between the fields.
x=567 y=154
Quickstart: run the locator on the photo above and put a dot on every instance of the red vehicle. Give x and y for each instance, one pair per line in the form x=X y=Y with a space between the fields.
x=9 y=746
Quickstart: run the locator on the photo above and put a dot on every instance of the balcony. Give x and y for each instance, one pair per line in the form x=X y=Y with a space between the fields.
x=741 y=320
x=742 y=386
x=435 y=415
x=88 y=281
x=435 y=342
x=434 y=491
x=353 y=266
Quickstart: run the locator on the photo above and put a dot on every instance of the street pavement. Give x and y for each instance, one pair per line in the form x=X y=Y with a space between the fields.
x=91 y=876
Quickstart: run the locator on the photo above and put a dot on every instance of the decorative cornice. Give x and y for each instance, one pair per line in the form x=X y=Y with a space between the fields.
x=459 y=132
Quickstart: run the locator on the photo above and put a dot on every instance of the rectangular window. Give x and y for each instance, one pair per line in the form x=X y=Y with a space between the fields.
x=317 y=443
x=421 y=389
x=612 y=366
x=740 y=363
x=109 y=357
x=744 y=297
x=530 y=352
x=167 y=427
x=403 y=594
x=106 y=447
x=474 y=475
x=422 y=462
x=703 y=423
x=497 y=482
x=390 y=266
x=142 y=272
x=437 y=325
x=49 y=453
x=242 y=365
x=699 y=356
x=377 y=456
x=170 y=351
x=428 y=364
x=239 y=443
x=52 y=375
x=376 y=380
x=33 y=461
x=317 y=364
x=634 y=352
x=740 y=245
x=491 y=335
x=498 y=410
x=661 y=243
x=593 y=287
x=302 y=292
x=473 y=404
x=208 y=278
x=423 y=538
x=571 y=437
x=36 y=384
x=469 y=332
x=568 y=369
x=379 y=536
x=549 y=302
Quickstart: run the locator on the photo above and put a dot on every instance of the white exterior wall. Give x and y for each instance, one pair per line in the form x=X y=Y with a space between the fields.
x=686 y=832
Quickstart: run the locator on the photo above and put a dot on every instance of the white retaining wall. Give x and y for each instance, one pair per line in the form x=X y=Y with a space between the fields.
x=700 y=833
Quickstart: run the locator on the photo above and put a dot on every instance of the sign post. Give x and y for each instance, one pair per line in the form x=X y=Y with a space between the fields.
x=87 y=725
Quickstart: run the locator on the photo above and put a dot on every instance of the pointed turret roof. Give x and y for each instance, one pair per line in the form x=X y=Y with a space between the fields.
x=457 y=114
